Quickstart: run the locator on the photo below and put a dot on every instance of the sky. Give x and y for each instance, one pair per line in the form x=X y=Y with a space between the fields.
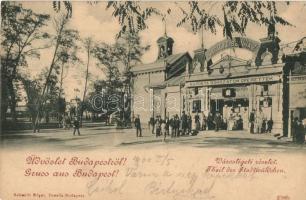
x=97 y=22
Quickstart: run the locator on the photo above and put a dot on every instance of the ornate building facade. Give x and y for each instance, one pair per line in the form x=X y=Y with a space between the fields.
x=234 y=86
x=270 y=82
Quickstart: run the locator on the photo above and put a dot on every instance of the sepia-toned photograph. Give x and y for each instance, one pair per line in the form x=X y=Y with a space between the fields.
x=158 y=94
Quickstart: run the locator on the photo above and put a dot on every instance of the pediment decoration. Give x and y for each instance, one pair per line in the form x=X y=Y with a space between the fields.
x=228 y=60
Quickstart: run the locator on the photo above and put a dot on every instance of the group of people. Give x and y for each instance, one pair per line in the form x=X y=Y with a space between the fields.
x=181 y=126
x=259 y=124
x=298 y=131
x=173 y=127
x=186 y=124
x=66 y=122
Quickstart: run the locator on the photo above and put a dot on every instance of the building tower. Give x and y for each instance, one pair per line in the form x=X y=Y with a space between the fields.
x=165 y=45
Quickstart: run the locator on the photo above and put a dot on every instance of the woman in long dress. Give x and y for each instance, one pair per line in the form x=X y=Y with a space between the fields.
x=231 y=122
x=197 y=122
x=158 y=126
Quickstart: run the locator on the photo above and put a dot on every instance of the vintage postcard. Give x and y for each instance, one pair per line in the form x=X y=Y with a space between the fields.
x=161 y=100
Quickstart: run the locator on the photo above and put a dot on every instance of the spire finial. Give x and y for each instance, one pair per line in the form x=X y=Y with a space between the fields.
x=165 y=25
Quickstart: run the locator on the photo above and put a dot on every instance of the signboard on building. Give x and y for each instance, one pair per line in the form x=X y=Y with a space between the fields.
x=229 y=92
x=239 y=42
x=246 y=80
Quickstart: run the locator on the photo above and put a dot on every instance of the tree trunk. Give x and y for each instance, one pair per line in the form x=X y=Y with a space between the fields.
x=59 y=35
x=61 y=81
x=60 y=93
x=85 y=86
x=4 y=99
x=33 y=117
x=13 y=103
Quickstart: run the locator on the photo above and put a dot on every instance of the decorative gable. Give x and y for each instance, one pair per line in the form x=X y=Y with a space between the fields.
x=228 y=64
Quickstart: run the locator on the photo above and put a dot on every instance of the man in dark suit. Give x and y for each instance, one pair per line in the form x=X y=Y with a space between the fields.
x=218 y=121
x=76 y=125
x=172 y=126
x=177 y=126
x=152 y=124
x=210 y=121
x=294 y=127
x=184 y=123
x=252 y=120
x=138 y=126
x=300 y=132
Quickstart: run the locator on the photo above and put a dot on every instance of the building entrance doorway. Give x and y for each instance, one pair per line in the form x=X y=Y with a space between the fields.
x=235 y=112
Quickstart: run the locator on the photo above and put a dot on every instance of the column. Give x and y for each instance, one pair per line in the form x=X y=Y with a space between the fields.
x=203 y=98
x=151 y=99
x=207 y=104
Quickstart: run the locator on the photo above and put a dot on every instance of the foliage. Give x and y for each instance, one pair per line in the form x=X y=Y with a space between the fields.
x=64 y=42
x=126 y=52
x=67 y=51
x=108 y=57
x=199 y=18
x=131 y=16
x=129 y=50
x=50 y=98
x=33 y=88
x=66 y=54
x=67 y=4
x=237 y=15
x=20 y=29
